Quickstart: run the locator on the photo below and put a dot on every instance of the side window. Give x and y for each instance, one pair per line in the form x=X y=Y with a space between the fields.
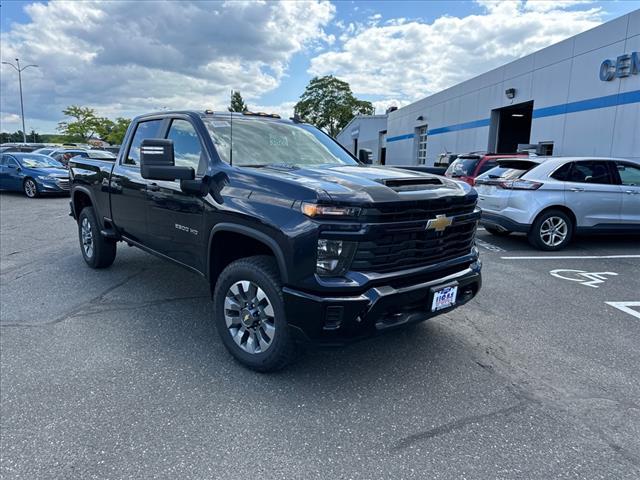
x=4 y=159
x=186 y=145
x=144 y=130
x=590 y=172
x=562 y=173
x=629 y=174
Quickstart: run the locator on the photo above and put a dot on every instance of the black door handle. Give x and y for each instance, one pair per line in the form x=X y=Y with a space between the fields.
x=153 y=187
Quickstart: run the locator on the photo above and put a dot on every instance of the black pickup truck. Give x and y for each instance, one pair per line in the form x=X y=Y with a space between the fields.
x=299 y=241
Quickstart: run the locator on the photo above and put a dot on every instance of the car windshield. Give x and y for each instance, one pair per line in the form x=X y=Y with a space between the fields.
x=462 y=167
x=39 y=161
x=508 y=170
x=258 y=143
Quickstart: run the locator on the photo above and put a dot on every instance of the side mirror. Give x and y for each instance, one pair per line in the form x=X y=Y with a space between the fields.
x=157 y=161
x=364 y=155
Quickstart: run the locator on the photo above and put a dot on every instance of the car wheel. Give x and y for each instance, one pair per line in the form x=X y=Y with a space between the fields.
x=249 y=314
x=497 y=232
x=97 y=251
x=552 y=230
x=30 y=188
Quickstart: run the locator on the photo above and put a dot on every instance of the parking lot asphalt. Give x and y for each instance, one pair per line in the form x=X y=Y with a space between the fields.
x=120 y=374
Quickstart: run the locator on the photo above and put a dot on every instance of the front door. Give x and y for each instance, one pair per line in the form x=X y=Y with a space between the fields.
x=175 y=219
x=630 y=185
x=129 y=189
x=11 y=174
x=592 y=195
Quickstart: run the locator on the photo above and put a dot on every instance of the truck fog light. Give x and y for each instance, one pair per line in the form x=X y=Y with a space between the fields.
x=333 y=256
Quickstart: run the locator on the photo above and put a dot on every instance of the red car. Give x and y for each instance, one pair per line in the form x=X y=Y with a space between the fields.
x=468 y=166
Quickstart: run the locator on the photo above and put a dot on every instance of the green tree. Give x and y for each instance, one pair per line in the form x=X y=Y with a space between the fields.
x=237 y=103
x=112 y=131
x=84 y=126
x=34 y=137
x=329 y=104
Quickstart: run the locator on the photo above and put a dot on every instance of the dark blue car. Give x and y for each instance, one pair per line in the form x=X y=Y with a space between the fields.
x=32 y=174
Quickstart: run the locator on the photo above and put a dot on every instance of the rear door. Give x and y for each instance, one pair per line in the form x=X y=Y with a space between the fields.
x=11 y=173
x=592 y=194
x=175 y=219
x=129 y=189
x=629 y=175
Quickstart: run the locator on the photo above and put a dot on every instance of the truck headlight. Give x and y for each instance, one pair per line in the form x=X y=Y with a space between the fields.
x=315 y=210
x=334 y=256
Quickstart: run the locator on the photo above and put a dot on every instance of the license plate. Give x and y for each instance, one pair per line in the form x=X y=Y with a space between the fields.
x=444 y=298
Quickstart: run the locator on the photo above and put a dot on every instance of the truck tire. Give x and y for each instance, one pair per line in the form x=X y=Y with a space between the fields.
x=249 y=314
x=97 y=251
x=552 y=230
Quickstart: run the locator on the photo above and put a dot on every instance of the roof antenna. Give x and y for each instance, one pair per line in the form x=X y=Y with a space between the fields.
x=231 y=144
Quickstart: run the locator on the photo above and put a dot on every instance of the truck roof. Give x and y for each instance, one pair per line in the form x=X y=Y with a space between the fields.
x=218 y=114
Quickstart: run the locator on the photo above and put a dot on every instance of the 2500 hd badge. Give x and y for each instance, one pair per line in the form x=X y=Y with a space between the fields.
x=299 y=241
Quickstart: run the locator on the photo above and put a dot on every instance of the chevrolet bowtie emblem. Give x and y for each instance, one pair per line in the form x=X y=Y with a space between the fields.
x=439 y=223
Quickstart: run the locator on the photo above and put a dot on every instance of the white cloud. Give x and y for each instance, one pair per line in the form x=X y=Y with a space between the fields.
x=409 y=59
x=125 y=58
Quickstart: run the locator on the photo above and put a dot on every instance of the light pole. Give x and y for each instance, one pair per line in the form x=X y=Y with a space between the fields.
x=20 y=70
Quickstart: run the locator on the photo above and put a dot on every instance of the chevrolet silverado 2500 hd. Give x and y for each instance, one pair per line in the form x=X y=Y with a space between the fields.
x=299 y=241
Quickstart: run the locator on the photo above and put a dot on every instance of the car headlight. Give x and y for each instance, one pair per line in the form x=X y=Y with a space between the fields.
x=314 y=210
x=334 y=256
x=47 y=178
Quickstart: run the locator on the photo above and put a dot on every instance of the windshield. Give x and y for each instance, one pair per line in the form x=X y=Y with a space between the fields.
x=39 y=161
x=259 y=143
x=462 y=167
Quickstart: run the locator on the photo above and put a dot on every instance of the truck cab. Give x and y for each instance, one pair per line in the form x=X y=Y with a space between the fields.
x=299 y=241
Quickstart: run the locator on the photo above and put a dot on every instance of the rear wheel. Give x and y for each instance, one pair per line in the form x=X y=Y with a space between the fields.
x=97 y=251
x=249 y=314
x=30 y=188
x=497 y=232
x=552 y=230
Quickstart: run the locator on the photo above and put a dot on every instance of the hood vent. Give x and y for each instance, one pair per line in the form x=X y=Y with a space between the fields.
x=411 y=184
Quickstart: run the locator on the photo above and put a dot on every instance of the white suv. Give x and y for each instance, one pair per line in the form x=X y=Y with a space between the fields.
x=551 y=198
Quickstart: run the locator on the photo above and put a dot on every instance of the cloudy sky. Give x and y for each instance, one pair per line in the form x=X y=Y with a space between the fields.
x=125 y=58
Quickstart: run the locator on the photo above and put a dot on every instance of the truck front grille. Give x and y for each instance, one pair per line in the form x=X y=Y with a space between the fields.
x=413 y=211
x=402 y=250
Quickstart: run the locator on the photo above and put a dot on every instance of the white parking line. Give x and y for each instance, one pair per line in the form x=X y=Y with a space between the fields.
x=624 y=306
x=570 y=257
x=489 y=246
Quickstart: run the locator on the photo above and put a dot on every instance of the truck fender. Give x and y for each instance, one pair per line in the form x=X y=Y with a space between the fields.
x=256 y=235
x=84 y=190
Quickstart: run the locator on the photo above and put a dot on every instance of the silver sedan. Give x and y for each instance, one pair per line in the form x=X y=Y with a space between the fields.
x=552 y=198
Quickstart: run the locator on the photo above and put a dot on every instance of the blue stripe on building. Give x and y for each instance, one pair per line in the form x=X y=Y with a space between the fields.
x=624 y=98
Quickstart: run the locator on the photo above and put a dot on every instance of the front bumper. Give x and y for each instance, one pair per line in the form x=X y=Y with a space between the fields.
x=53 y=186
x=337 y=320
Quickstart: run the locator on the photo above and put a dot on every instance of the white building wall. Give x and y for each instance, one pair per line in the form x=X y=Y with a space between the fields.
x=555 y=78
x=367 y=130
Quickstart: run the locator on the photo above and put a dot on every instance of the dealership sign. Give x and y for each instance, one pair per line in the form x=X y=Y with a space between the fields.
x=623 y=66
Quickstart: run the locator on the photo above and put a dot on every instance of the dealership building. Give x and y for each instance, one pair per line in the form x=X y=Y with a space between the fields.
x=578 y=97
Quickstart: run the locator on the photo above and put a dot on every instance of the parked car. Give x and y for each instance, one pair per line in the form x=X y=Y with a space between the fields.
x=299 y=241
x=33 y=174
x=552 y=198
x=468 y=166
x=445 y=159
x=63 y=155
x=18 y=147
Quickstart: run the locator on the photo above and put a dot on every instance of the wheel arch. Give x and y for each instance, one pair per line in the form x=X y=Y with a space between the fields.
x=81 y=198
x=563 y=208
x=246 y=242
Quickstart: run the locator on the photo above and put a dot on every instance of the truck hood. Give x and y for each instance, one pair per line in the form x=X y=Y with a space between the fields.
x=356 y=184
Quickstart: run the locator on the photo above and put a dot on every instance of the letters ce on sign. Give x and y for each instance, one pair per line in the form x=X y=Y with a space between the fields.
x=623 y=66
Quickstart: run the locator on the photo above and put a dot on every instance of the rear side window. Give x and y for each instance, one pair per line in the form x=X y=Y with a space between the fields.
x=562 y=173
x=629 y=174
x=144 y=130
x=487 y=166
x=592 y=171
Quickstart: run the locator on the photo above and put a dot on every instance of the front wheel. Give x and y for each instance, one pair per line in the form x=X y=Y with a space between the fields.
x=30 y=188
x=552 y=230
x=249 y=314
x=97 y=251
